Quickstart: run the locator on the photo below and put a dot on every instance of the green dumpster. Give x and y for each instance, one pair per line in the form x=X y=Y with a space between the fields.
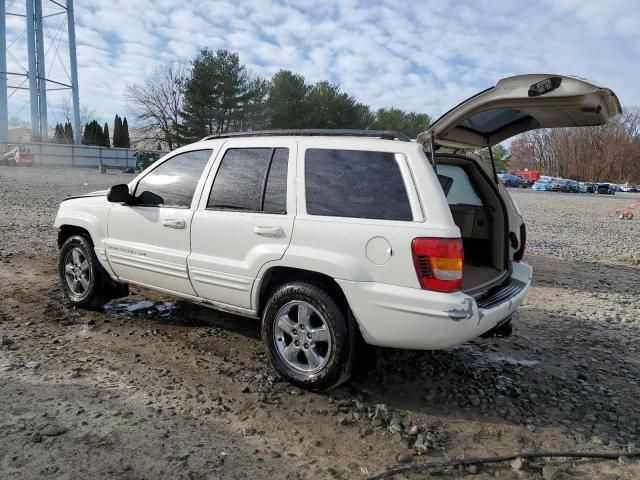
x=145 y=158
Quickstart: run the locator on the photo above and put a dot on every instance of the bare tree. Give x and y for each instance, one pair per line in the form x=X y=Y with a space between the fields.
x=65 y=108
x=609 y=152
x=157 y=103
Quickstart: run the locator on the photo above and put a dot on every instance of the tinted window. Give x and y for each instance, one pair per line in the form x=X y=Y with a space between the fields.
x=275 y=194
x=173 y=183
x=250 y=178
x=355 y=183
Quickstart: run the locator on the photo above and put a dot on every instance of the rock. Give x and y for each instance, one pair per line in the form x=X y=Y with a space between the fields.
x=395 y=426
x=414 y=430
x=366 y=431
x=248 y=431
x=624 y=460
x=343 y=420
x=404 y=458
x=53 y=430
x=472 y=469
x=550 y=472
x=517 y=464
x=421 y=444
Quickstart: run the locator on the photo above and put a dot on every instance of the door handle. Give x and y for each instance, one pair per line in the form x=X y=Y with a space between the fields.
x=174 y=223
x=268 y=231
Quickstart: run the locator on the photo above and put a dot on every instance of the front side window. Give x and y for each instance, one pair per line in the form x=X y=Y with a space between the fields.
x=355 y=184
x=173 y=183
x=251 y=180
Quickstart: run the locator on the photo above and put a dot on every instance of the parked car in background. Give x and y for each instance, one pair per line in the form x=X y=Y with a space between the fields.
x=559 y=185
x=605 y=188
x=510 y=180
x=585 y=187
x=572 y=186
x=532 y=175
x=628 y=188
x=525 y=182
x=542 y=185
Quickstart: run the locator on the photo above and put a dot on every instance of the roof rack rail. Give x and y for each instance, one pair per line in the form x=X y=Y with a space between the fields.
x=316 y=132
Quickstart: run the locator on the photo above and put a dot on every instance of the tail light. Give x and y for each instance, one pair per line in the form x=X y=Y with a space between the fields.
x=438 y=263
x=523 y=243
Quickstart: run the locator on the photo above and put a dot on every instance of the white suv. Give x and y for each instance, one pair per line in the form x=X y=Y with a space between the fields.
x=330 y=237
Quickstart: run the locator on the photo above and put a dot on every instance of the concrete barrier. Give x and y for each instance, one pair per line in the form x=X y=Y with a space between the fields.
x=90 y=156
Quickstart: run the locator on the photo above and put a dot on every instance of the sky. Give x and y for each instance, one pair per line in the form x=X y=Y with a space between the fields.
x=422 y=56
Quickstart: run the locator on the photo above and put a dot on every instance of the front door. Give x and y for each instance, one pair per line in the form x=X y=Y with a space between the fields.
x=148 y=242
x=245 y=218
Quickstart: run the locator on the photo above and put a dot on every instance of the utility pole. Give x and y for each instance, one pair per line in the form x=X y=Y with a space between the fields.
x=4 y=107
x=37 y=59
x=73 y=63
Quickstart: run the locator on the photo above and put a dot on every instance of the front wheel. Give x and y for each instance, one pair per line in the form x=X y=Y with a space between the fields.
x=307 y=336
x=84 y=282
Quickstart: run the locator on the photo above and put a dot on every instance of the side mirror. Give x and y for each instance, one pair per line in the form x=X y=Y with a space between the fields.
x=119 y=194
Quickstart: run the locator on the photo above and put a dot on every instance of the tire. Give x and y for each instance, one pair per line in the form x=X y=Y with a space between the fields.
x=306 y=313
x=84 y=282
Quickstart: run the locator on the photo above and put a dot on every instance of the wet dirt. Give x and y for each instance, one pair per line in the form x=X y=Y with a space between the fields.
x=151 y=387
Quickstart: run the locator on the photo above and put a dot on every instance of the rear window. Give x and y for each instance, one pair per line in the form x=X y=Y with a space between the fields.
x=355 y=184
x=252 y=180
x=460 y=191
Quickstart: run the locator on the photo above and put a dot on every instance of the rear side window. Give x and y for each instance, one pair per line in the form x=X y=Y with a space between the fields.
x=460 y=190
x=251 y=180
x=173 y=183
x=355 y=184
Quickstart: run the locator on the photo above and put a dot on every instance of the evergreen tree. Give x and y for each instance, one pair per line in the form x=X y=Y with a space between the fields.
x=217 y=94
x=107 y=139
x=126 y=141
x=93 y=134
x=500 y=157
x=117 y=131
x=68 y=133
x=58 y=135
x=288 y=104
x=331 y=108
x=409 y=123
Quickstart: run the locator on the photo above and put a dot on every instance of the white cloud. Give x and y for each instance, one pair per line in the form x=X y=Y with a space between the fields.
x=423 y=56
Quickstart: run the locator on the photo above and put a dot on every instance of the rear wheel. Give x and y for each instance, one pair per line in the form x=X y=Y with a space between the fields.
x=307 y=336
x=84 y=281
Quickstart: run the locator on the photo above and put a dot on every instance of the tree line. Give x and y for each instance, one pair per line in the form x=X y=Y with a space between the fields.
x=216 y=93
x=610 y=152
x=94 y=134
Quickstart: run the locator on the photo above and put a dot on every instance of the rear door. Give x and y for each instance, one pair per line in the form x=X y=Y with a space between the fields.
x=521 y=103
x=245 y=217
x=148 y=243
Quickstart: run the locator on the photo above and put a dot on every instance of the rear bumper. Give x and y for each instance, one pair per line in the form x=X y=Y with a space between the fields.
x=401 y=317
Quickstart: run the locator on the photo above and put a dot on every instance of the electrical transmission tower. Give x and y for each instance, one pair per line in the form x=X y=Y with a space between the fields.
x=43 y=57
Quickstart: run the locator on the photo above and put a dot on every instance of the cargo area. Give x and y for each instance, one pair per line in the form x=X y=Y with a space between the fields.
x=479 y=214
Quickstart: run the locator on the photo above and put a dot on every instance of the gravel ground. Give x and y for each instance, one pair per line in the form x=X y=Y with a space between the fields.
x=581 y=226
x=150 y=387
